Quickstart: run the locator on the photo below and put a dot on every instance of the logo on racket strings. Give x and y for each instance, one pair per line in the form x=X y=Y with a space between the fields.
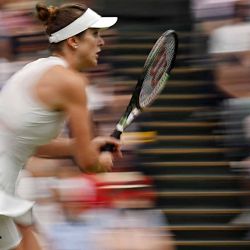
x=158 y=69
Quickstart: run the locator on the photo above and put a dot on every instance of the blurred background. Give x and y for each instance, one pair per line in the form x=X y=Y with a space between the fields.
x=184 y=180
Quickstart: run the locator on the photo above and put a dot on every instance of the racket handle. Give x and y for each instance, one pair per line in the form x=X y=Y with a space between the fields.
x=109 y=146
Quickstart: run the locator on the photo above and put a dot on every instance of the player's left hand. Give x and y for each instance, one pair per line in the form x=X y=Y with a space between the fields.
x=101 y=141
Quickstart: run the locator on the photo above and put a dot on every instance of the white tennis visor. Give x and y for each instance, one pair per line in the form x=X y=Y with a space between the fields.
x=89 y=19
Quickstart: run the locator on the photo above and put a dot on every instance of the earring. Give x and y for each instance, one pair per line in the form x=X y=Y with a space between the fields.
x=76 y=46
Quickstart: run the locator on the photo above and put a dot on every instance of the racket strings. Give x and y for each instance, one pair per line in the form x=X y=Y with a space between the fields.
x=156 y=69
x=171 y=46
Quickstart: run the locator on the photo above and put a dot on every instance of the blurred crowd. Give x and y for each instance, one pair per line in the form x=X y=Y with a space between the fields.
x=225 y=26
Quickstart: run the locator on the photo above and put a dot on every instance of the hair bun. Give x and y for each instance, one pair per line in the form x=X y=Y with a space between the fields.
x=53 y=11
x=46 y=14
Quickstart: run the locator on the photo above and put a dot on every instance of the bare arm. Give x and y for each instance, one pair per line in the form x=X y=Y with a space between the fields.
x=57 y=148
x=62 y=89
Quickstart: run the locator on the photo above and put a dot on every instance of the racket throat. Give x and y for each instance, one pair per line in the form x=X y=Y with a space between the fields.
x=134 y=113
x=126 y=122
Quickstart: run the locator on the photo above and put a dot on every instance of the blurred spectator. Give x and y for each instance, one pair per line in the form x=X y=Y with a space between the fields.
x=208 y=15
x=229 y=47
x=4 y=41
x=236 y=33
x=114 y=222
x=77 y=196
x=212 y=10
x=16 y=19
x=243 y=167
x=230 y=50
x=135 y=223
x=211 y=14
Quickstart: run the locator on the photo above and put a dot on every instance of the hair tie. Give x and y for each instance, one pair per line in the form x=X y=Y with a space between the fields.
x=52 y=10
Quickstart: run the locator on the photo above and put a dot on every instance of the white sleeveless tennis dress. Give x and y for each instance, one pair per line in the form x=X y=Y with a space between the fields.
x=25 y=124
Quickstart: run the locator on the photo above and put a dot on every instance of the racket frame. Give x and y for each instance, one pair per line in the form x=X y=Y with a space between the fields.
x=134 y=108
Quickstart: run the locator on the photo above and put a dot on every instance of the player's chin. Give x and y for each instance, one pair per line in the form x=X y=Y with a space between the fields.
x=93 y=63
x=89 y=63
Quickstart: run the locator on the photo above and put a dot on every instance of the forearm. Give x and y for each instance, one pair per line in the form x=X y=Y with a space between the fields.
x=89 y=159
x=58 y=148
x=65 y=148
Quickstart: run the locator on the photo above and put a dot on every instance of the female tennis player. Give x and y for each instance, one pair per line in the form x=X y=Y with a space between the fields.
x=34 y=105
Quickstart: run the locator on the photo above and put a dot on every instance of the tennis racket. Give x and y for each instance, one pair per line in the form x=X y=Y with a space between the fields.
x=154 y=76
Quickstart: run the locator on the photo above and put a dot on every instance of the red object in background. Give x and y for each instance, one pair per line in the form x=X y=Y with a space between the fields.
x=109 y=190
x=96 y=191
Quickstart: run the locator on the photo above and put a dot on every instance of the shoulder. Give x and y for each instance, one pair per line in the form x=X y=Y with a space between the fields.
x=61 y=77
x=60 y=86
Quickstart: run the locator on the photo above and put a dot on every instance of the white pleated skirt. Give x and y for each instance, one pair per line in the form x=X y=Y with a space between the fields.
x=13 y=210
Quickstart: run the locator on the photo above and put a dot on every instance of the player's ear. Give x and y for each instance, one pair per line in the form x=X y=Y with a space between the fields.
x=72 y=42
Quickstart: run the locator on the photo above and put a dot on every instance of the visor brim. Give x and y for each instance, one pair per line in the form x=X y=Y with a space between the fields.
x=104 y=22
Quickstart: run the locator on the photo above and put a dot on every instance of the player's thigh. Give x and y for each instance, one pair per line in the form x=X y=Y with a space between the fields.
x=30 y=239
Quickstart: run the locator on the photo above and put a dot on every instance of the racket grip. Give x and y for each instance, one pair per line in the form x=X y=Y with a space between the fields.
x=109 y=146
